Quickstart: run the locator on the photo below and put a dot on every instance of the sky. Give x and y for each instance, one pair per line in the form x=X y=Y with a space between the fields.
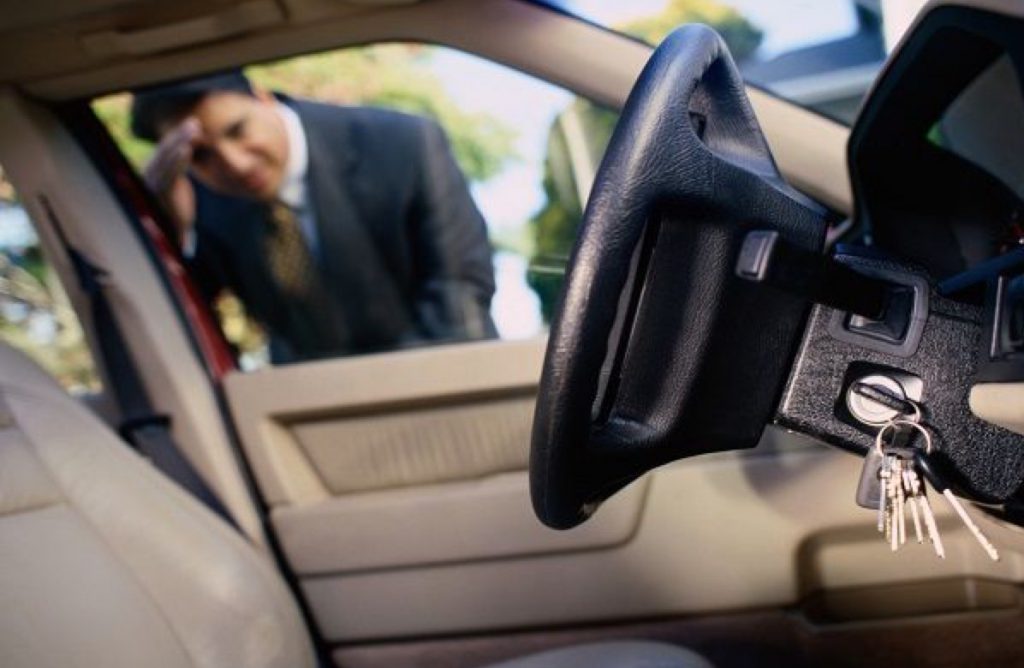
x=15 y=229
x=820 y=21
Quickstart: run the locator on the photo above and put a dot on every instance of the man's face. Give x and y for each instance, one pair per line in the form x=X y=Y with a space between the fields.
x=242 y=147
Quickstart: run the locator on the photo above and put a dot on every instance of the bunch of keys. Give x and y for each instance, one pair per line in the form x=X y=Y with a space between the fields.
x=894 y=477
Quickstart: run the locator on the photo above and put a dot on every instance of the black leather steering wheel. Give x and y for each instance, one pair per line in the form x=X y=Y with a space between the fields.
x=658 y=350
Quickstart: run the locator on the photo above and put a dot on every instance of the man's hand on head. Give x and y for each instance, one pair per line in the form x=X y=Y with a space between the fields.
x=165 y=173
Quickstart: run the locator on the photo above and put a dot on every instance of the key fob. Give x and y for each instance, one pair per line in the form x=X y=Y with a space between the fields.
x=869 y=486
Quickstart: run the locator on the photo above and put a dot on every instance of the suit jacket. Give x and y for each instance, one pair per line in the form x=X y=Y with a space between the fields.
x=403 y=251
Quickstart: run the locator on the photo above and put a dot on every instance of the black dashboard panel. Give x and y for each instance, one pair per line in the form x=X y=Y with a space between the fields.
x=937 y=167
x=923 y=161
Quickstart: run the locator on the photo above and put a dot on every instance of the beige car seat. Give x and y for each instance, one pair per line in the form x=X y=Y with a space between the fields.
x=104 y=562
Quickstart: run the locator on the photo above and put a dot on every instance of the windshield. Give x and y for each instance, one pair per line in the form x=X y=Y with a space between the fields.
x=821 y=54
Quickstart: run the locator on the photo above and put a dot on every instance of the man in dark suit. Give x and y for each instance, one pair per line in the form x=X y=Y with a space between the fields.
x=342 y=230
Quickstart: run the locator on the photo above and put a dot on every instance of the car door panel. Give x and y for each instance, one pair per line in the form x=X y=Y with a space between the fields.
x=319 y=429
x=455 y=547
x=418 y=445
x=404 y=459
x=725 y=532
x=450 y=523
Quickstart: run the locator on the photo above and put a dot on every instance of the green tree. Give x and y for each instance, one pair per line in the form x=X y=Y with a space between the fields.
x=31 y=295
x=556 y=225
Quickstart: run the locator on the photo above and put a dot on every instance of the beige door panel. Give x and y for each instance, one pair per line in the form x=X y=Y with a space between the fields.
x=421 y=445
x=318 y=429
x=449 y=545
x=406 y=460
x=439 y=524
x=1000 y=403
x=718 y=533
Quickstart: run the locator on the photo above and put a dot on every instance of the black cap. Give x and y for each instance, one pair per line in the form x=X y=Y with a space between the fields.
x=156 y=105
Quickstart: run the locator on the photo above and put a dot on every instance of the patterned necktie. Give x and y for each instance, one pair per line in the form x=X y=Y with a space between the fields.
x=291 y=263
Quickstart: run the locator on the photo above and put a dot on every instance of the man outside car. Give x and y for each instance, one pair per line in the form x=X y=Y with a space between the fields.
x=341 y=229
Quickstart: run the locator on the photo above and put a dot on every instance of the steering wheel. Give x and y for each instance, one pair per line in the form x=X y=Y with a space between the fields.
x=659 y=351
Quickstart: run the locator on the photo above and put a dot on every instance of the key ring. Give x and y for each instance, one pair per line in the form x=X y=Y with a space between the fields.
x=892 y=424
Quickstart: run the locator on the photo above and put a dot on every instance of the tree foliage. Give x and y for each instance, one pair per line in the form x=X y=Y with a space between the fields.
x=740 y=34
x=555 y=226
x=6 y=188
x=36 y=317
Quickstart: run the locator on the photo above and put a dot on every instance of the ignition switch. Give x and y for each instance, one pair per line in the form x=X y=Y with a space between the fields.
x=871 y=407
x=874 y=396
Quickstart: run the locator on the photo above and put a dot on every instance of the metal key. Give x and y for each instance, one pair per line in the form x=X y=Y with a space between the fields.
x=901 y=500
x=889 y=482
x=924 y=465
x=883 y=493
x=912 y=496
x=889 y=504
x=921 y=493
x=894 y=517
x=931 y=524
x=871 y=490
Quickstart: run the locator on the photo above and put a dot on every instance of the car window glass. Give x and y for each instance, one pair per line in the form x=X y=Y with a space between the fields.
x=518 y=150
x=821 y=54
x=35 y=314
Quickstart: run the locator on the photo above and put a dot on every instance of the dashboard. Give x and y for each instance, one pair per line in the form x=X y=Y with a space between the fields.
x=938 y=164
